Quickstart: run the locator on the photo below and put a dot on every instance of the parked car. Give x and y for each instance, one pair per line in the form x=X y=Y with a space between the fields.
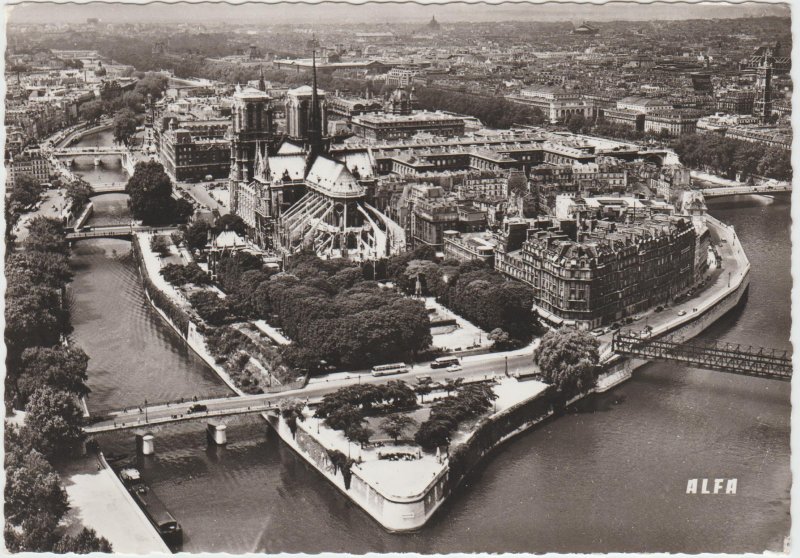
x=659 y=309
x=197 y=408
x=682 y=313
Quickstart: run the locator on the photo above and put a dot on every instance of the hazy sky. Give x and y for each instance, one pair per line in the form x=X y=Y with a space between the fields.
x=261 y=13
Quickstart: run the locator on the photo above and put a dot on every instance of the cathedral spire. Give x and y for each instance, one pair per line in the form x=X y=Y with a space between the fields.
x=261 y=165
x=262 y=85
x=315 y=133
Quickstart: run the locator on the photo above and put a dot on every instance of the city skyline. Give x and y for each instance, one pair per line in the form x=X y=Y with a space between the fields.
x=390 y=12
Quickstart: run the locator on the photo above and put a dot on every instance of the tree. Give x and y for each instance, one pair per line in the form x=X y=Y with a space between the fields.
x=344 y=417
x=394 y=425
x=38 y=533
x=153 y=85
x=292 y=411
x=53 y=423
x=181 y=274
x=575 y=123
x=46 y=269
x=84 y=542
x=59 y=367
x=211 y=308
x=134 y=101
x=33 y=317
x=424 y=387
x=125 y=123
x=79 y=191
x=91 y=111
x=32 y=486
x=26 y=190
x=231 y=222
x=196 y=235
x=46 y=235
x=150 y=191
x=358 y=434
x=160 y=245
x=499 y=338
x=451 y=384
x=183 y=210
x=433 y=434
x=567 y=359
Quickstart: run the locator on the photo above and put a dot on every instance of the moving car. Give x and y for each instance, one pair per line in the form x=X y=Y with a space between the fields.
x=454 y=368
x=197 y=408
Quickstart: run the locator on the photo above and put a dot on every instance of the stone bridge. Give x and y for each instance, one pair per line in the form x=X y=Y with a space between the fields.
x=745 y=189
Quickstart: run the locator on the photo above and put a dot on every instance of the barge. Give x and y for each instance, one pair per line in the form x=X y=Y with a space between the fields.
x=155 y=510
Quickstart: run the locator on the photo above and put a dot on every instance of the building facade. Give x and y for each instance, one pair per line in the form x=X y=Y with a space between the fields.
x=30 y=163
x=611 y=272
x=378 y=127
x=250 y=134
x=196 y=149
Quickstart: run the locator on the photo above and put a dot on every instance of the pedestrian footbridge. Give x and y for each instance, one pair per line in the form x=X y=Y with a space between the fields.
x=761 y=362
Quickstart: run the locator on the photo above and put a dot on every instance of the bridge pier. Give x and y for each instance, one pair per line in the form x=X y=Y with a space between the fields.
x=145 y=443
x=216 y=433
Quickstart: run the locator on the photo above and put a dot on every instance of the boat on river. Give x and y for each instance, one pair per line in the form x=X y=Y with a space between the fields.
x=155 y=510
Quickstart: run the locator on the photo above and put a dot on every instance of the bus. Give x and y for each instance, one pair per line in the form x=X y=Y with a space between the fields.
x=444 y=362
x=389 y=369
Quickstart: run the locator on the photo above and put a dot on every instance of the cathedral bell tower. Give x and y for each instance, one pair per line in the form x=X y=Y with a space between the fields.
x=250 y=130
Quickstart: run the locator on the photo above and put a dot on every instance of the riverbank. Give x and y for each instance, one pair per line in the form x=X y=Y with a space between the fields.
x=150 y=267
x=66 y=137
x=403 y=494
x=99 y=501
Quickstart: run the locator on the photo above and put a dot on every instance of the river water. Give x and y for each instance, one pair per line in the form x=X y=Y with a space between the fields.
x=609 y=478
x=134 y=355
x=109 y=170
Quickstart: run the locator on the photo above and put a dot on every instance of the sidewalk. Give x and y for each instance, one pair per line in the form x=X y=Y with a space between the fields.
x=99 y=501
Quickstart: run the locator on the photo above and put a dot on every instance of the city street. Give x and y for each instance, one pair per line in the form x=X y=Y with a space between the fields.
x=52 y=205
x=201 y=195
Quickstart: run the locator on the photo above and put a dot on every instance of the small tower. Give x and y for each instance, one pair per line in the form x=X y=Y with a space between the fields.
x=763 y=101
x=262 y=85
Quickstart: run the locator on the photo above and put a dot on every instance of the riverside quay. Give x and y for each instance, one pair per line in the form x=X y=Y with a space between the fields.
x=428 y=278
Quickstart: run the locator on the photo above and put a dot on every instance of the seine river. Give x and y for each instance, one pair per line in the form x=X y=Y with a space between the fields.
x=609 y=478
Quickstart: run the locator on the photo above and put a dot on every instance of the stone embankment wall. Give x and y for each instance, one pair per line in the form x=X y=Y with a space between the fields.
x=493 y=431
x=84 y=216
x=393 y=513
x=189 y=331
x=77 y=134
